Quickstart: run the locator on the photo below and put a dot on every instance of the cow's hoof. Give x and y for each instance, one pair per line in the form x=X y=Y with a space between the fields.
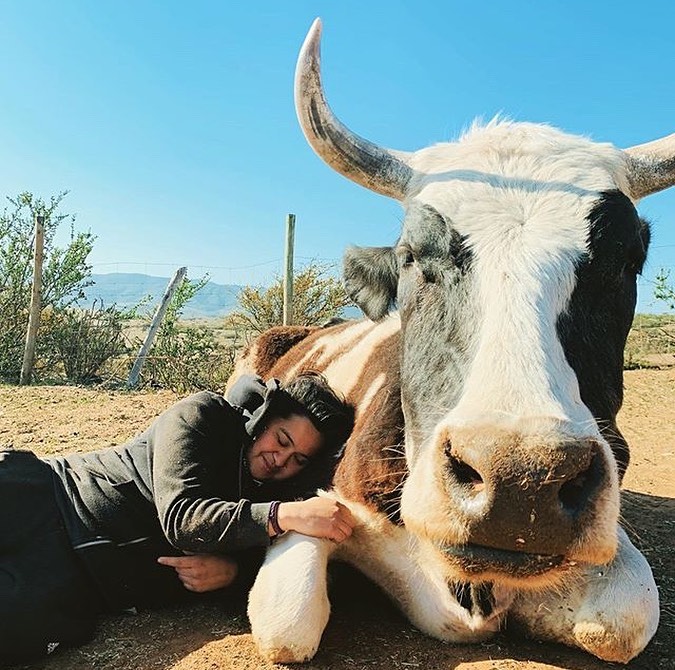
x=292 y=640
x=608 y=644
x=286 y=654
x=287 y=625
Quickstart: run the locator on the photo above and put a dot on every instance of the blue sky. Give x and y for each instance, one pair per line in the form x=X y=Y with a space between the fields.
x=172 y=123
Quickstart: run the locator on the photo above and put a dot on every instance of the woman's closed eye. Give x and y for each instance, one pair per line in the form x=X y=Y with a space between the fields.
x=284 y=442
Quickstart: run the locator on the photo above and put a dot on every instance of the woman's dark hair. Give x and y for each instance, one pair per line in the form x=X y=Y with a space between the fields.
x=310 y=395
x=307 y=394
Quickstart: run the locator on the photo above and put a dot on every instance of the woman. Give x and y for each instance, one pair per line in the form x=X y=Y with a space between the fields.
x=167 y=513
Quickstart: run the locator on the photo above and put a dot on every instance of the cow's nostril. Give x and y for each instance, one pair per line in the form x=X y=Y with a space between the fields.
x=466 y=475
x=575 y=494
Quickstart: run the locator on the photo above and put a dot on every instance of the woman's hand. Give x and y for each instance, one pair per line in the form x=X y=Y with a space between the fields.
x=202 y=572
x=317 y=517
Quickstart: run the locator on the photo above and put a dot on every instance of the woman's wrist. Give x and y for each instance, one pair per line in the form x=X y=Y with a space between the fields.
x=273 y=526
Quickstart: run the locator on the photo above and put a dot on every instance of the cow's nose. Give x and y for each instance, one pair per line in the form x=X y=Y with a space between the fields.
x=524 y=493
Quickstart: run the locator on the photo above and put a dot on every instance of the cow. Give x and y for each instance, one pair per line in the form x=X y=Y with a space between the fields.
x=485 y=463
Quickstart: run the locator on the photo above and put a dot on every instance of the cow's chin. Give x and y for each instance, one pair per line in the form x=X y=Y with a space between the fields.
x=516 y=569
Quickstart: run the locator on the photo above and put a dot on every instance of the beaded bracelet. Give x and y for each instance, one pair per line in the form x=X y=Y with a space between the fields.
x=273 y=520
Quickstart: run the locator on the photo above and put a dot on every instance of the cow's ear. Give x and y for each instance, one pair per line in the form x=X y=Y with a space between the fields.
x=371 y=279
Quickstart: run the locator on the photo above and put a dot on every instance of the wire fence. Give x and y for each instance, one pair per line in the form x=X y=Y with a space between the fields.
x=122 y=280
x=262 y=273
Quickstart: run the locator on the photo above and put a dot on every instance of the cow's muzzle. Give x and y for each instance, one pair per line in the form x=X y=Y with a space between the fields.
x=524 y=494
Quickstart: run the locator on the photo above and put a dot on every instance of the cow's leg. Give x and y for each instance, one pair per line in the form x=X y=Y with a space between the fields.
x=611 y=611
x=416 y=579
x=288 y=605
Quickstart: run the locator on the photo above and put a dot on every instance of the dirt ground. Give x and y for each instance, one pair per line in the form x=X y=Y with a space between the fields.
x=365 y=632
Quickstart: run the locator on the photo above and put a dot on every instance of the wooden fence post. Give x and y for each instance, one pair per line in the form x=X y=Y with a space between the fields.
x=154 y=327
x=35 y=303
x=288 y=270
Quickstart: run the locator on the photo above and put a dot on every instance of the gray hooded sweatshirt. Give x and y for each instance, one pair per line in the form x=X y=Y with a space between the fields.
x=182 y=486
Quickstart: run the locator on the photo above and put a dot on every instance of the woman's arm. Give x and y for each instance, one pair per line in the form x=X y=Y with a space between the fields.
x=318 y=517
x=195 y=449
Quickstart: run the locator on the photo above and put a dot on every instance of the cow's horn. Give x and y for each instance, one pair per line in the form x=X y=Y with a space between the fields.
x=381 y=170
x=651 y=166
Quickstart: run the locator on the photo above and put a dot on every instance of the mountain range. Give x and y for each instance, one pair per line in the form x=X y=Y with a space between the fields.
x=128 y=289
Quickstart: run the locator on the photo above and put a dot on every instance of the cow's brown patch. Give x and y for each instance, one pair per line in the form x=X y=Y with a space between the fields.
x=373 y=468
x=273 y=344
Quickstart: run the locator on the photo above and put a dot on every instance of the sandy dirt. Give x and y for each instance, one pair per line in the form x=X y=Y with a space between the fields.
x=365 y=632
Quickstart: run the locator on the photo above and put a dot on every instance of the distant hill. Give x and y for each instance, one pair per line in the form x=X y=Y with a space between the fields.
x=128 y=289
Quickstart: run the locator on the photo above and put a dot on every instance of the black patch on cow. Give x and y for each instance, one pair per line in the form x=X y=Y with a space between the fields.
x=460 y=251
x=594 y=328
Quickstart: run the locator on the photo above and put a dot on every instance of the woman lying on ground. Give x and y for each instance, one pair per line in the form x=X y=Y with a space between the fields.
x=168 y=513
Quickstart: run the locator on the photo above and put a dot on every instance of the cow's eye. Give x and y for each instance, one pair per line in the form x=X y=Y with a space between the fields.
x=634 y=264
x=406 y=257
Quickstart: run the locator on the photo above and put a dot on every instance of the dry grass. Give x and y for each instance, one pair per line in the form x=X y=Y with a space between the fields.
x=364 y=632
x=651 y=342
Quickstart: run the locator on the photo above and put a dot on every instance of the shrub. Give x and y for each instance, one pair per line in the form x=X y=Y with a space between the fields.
x=187 y=357
x=317 y=298
x=65 y=272
x=664 y=290
x=83 y=341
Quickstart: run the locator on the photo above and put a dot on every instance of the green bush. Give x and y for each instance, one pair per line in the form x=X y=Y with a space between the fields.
x=65 y=273
x=186 y=360
x=185 y=357
x=82 y=342
x=664 y=290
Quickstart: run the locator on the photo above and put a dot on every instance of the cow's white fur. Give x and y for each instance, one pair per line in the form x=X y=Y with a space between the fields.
x=609 y=610
x=520 y=194
x=407 y=568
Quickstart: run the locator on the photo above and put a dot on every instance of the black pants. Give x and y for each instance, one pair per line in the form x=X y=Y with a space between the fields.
x=45 y=595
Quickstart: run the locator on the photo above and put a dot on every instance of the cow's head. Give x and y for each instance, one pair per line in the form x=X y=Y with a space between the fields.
x=515 y=278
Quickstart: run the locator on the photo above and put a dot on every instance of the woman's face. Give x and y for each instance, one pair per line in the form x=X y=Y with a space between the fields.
x=284 y=448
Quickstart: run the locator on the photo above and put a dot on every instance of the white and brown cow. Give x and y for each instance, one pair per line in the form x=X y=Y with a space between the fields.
x=485 y=465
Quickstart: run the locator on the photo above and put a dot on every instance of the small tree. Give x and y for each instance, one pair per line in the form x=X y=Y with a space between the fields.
x=65 y=273
x=664 y=290
x=317 y=298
